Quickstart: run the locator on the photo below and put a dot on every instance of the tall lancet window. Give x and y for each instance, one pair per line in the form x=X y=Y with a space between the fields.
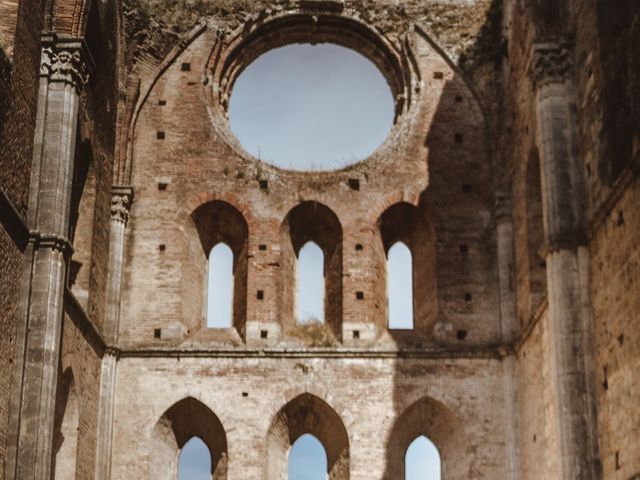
x=400 y=286
x=310 y=292
x=220 y=287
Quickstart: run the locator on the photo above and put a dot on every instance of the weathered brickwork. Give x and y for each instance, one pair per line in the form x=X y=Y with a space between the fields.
x=615 y=264
x=81 y=354
x=457 y=207
x=511 y=172
x=10 y=263
x=247 y=395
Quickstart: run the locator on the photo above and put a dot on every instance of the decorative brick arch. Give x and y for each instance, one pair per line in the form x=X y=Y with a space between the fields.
x=406 y=223
x=184 y=420
x=307 y=414
x=434 y=420
x=312 y=221
x=215 y=221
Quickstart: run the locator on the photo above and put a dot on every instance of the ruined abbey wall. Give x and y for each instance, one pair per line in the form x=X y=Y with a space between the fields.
x=511 y=171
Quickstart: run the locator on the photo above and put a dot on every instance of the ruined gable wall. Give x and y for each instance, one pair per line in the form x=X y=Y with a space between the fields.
x=176 y=145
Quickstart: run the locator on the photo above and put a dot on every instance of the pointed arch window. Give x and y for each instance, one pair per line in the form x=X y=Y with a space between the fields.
x=310 y=284
x=307 y=459
x=194 y=462
x=422 y=460
x=220 y=287
x=400 y=286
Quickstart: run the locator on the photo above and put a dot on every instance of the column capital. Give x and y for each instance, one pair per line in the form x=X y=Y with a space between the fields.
x=550 y=62
x=121 y=200
x=502 y=207
x=65 y=59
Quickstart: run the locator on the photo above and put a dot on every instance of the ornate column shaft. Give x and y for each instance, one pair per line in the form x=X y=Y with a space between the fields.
x=121 y=199
x=504 y=234
x=63 y=73
x=567 y=272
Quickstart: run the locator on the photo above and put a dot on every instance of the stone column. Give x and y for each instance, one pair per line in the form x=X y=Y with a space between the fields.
x=504 y=234
x=63 y=72
x=121 y=198
x=564 y=226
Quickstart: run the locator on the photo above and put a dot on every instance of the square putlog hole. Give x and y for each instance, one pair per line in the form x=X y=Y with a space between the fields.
x=438 y=75
x=264 y=334
x=356 y=334
x=461 y=335
x=262 y=247
x=359 y=295
x=157 y=333
x=185 y=67
x=260 y=295
x=160 y=135
x=264 y=184
x=354 y=184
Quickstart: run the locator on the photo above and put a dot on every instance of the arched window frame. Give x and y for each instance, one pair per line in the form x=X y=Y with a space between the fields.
x=411 y=225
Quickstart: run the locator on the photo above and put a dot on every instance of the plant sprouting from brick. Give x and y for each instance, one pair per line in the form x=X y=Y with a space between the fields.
x=315 y=333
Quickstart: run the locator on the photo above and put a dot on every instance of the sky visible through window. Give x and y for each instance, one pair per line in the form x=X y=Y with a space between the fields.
x=311 y=107
x=220 y=287
x=310 y=297
x=307 y=107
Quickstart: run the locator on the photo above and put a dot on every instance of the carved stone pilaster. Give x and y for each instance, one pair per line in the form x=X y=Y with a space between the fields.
x=121 y=199
x=550 y=63
x=65 y=60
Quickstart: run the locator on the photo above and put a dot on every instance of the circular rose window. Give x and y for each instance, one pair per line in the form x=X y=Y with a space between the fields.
x=311 y=107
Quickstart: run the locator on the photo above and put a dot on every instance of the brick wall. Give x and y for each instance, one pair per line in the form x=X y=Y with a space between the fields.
x=368 y=395
x=19 y=61
x=81 y=352
x=200 y=162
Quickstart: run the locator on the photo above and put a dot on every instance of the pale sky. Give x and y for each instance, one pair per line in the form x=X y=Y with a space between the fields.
x=307 y=107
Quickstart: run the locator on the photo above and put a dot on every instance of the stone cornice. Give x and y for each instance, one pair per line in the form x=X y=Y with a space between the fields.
x=53 y=242
x=121 y=200
x=65 y=60
x=550 y=63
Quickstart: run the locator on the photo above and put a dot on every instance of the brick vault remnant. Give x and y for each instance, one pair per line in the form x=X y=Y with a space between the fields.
x=119 y=174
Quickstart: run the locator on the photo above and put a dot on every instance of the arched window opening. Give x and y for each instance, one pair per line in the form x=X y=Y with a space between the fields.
x=311 y=259
x=411 y=446
x=422 y=461
x=310 y=297
x=65 y=437
x=307 y=459
x=215 y=273
x=535 y=234
x=400 y=286
x=194 y=462
x=188 y=442
x=408 y=257
x=309 y=430
x=220 y=287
